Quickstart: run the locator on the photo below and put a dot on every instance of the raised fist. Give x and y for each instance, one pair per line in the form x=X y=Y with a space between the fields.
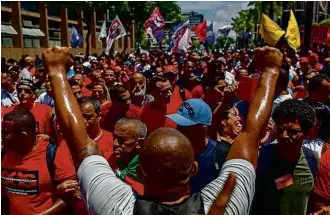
x=267 y=57
x=57 y=57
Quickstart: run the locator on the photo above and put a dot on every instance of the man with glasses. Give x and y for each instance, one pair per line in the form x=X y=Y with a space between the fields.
x=286 y=170
x=26 y=96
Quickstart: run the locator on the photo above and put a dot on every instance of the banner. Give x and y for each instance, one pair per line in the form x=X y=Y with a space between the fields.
x=116 y=31
x=76 y=38
x=319 y=34
x=103 y=32
x=200 y=31
x=292 y=33
x=224 y=30
x=154 y=23
x=269 y=30
x=184 y=42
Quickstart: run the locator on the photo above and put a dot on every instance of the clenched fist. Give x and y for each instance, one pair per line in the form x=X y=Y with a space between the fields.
x=57 y=57
x=267 y=57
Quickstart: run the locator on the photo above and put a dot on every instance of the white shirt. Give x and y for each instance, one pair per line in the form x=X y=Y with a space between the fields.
x=44 y=98
x=8 y=99
x=25 y=74
x=104 y=193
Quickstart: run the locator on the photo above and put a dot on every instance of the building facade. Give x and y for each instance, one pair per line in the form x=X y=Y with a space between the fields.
x=194 y=18
x=28 y=27
x=321 y=11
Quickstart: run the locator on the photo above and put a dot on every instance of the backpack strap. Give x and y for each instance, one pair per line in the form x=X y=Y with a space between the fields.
x=312 y=160
x=50 y=157
x=182 y=93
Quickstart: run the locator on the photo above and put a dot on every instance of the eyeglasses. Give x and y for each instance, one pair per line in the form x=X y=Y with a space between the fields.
x=20 y=90
x=289 y=131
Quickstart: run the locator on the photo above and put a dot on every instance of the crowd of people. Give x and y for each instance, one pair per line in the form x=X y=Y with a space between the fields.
x=221 y=132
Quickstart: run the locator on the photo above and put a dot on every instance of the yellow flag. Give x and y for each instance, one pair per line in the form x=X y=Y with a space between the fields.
x=269 y=30
x=292 y=32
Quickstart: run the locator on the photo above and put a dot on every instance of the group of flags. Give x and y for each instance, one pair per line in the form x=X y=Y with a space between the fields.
x=115 y=31
x=180 y=35
x=272 y=33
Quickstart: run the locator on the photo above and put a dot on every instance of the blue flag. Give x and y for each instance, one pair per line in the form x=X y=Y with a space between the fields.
x=171 y=34
x=160 y=35
x=76 y=38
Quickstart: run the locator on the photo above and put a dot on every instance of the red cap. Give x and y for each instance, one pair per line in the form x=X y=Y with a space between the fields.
x=171 y=69
x=303 y=60
x=314 y=55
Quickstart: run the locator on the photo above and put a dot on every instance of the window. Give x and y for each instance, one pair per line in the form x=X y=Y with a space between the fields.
x=30 y=42
x=32 y=6
x=6 y=40
x=72 y=14
x=5 y=3
x=54 y=43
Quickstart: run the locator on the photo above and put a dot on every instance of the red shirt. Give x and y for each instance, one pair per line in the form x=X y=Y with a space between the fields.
x=156 y=118
x=104 y=112
x=41 y=113
x=116 y=113
x=176 y=97
x=135 y=185
x=26 y=179
x=197 y=92
x=104 y=142
x=86 y=92
x=322 y=184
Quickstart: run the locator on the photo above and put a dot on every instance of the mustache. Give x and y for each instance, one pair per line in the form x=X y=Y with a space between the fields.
x=137 y=91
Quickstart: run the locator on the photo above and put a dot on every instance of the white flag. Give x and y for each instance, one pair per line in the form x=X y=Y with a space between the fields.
x=103 y=32
x=185 y=41
x=116 y=31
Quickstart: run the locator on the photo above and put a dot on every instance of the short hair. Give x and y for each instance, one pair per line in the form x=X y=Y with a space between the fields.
x=23 y=120
x=315 y=82
x=116 y=91
x=140 y=132
x=154 y=80
x=90 y=100
x=73 y=83
x=294 y=108
x=283 y=79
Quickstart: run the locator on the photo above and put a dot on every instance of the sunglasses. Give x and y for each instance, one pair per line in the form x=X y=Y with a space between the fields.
x=290 y=132
x=28 y=91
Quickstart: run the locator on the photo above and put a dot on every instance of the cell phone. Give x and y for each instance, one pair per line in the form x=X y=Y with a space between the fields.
x=247 y=87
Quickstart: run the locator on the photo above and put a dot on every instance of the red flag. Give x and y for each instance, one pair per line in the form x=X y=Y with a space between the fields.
x=201 y=31
x=154 y=23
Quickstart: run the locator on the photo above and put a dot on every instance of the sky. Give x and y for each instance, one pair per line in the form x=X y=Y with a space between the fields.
x=219 y=11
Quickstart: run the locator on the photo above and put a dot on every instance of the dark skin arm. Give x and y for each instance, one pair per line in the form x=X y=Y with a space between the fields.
x=268 y=60
x=56 y=209
x=57 y=61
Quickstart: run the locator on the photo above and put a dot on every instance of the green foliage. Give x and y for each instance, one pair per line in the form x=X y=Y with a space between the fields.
x=195 y=44
x=247 y=19
x=325 y=22
x=224 y=42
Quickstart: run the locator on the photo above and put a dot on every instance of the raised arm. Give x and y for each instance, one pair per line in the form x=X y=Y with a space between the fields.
x=268 y=60
x=57 y=61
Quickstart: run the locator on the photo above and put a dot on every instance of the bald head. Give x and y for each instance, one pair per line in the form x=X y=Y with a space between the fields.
x=172 y=158
x=138 y=75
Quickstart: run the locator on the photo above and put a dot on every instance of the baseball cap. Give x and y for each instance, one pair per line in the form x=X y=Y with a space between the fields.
x=222 y=60
x=303 y=60
x=192 y=112
x=26 y=82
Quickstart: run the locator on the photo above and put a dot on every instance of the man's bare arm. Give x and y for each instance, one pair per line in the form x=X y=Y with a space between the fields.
x=268 y=60
x=57 y=61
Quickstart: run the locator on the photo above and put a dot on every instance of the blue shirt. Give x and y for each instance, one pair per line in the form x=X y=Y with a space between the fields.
x=206 y=168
